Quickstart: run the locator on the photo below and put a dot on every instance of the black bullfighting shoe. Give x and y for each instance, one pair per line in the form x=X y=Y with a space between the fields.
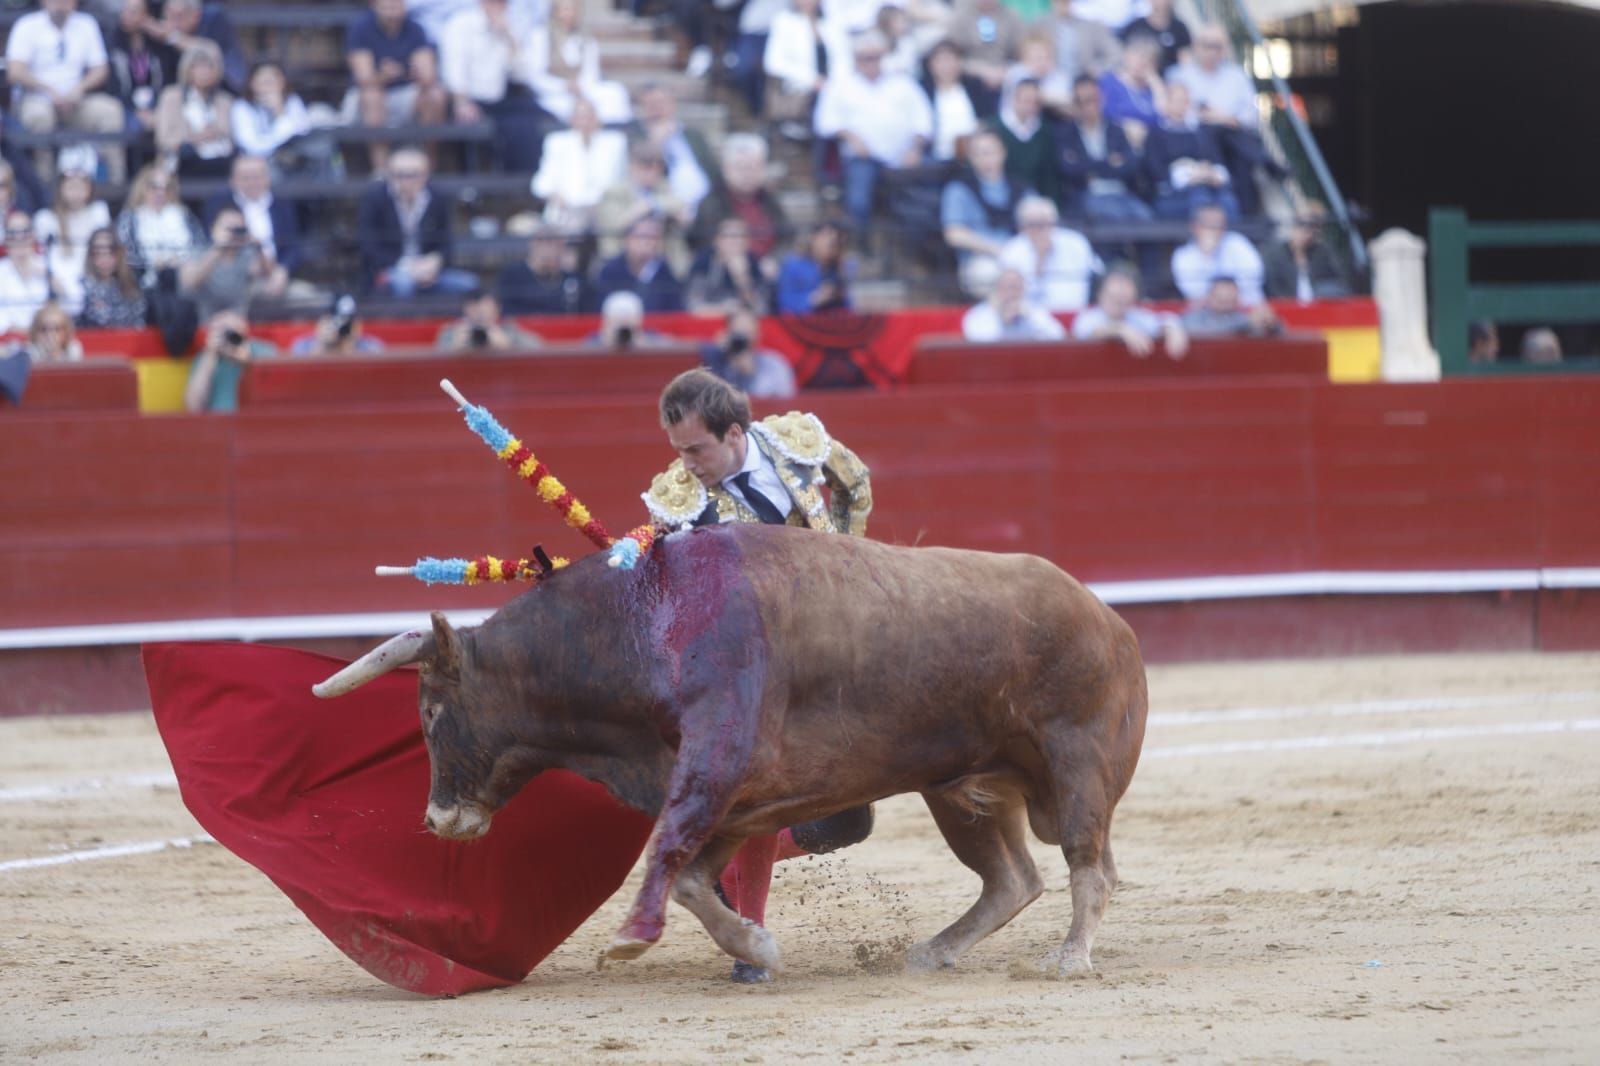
x=745 y=973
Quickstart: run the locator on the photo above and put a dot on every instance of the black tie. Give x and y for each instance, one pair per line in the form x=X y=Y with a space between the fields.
x=764 y=508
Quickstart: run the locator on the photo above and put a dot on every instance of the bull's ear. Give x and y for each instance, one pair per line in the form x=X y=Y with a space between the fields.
x=446 y=646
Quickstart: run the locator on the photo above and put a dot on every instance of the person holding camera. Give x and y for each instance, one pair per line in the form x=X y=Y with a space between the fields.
x=338 y=333
x=233 y=271
x=736 y=359
x=482 y=329
x=215 y=374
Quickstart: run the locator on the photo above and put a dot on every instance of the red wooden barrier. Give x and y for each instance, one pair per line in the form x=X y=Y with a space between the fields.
x=951 y=361
x=484 y=379
x=98 y=385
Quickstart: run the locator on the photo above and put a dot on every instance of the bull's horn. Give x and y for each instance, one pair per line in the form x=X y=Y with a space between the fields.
x=391 y=654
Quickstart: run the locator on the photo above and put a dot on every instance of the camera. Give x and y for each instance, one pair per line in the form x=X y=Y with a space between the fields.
x=345 y=327
x=232 y=337
x=479 y=337
x=239 y=233
x=624 y=336
x=737 y=345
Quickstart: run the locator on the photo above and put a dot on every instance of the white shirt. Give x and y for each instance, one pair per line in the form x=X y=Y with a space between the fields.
x=258 y=132
x=258 y=220
x=888 y=114
x=953 y=118
x=20 y=298
x=475 y=62
x=1061 y=282
x=1235 y=257
x=763 y=478
x=1227 y=89
x=791 y=50
x=80 y=226
x=982 y=323
x=1090 y=322
x=58 y=58
x=580 y=173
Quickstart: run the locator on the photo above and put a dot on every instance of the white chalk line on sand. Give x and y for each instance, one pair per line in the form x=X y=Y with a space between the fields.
x=1357 y=708
x=1231 y=747
x=109 y=851
x=88 y=787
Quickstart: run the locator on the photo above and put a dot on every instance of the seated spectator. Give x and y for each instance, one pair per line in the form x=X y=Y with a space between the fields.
x=741 y=192
x=749 y=49
x=1213 y=252
x=57 y=66
x=233 y=271
x=404 y=232
x=641 y=270
x=12 y=196
x=736 y=359
x=1030 y=145
x=272 y=222
x=193 y=117
x=883 y=122
x=51 y=338
x=817 y=279
x=563 y=65
x=215 y=374
x=687 y=155
x=978 y=209
x=727 y=276
x=111 y=295
x=542 y=283
x=1117 y=316
x=1169 y=32
x=64 y=230
x=482 y=329
x=1083 y=46
x=1098 y=165
x=1302 y=267
x=1220 y=314
x=1483 y=342
x=1183 y=163
x=268 y=116
x=1223 y=98
x=578 y=166
x=1134 y=94
x=1037 y=62
x=142 y=63
x=622 y=324
x=158 y=232
x=901 y=55
x=643 y=190
x=340 y=332
x=395 y=72
x=954 y=116
x=186 y=23
x=1057 y=263
x=803 y=50
x=989 y=34
x=1541 y=347
x=480 y=65
x=1007 y=315
x=25 y=282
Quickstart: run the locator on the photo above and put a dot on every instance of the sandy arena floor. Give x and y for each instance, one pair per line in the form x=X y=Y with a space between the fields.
x=1390 y=860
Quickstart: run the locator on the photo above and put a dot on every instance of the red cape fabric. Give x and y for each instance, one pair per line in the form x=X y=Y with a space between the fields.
x=326 y=798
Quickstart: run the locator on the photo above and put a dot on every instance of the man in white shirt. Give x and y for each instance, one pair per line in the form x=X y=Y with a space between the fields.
x=1008 y=316
x=1055 y=262
x=883 y=120
x=1223 y=98
x=55 y=61
x=481 y=66
x=1214 y=252
x=1117 y=316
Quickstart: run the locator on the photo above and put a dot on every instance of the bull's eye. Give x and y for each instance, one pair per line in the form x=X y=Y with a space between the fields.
x=430 y=711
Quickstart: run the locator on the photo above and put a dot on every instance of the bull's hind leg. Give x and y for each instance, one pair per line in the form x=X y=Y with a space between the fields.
x=1083 y=808
x=993 y=844
x=694 y=890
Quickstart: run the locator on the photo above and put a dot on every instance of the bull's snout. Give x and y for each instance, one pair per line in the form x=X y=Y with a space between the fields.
x=461 y=822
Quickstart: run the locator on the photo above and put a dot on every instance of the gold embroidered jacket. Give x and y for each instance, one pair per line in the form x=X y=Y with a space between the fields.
x=805 y=457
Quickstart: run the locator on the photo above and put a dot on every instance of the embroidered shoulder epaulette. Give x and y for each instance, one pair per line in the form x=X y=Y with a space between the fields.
x=797 y=436
x=676 y=496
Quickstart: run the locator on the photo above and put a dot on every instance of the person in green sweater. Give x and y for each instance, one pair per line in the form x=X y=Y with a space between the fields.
x=1030 y=148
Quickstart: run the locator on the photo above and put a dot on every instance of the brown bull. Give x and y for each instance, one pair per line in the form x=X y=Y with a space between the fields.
x=747 y=678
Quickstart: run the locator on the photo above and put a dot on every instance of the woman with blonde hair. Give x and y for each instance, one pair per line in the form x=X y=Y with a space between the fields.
x=51 y=338
x=193 y=118
x=156 y=229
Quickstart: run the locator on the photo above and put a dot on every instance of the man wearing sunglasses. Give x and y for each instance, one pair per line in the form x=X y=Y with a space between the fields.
x=56 y=61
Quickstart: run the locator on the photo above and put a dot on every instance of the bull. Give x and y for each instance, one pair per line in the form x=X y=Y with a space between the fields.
x=745 y=678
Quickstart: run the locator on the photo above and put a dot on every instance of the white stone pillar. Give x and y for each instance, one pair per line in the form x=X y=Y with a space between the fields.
x=1399 y=283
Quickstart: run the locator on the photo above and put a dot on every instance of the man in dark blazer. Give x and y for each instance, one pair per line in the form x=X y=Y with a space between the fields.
x=640 y=269
x=273 y=223
x=403 y=226
x=1099 y=168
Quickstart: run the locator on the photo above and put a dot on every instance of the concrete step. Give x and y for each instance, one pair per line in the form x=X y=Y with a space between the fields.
x=617 y=56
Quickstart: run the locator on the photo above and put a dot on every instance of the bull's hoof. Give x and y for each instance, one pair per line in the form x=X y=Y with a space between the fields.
x=622 y=949
x=1055 y=966
x=924 y=958
x=761 y=949
x=746 y=974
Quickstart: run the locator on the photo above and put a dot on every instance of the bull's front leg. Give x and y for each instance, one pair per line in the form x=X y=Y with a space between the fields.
x=713 y=757
x=695 y=890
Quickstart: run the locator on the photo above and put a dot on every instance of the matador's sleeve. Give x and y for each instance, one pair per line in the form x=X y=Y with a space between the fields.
x=850 y=482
